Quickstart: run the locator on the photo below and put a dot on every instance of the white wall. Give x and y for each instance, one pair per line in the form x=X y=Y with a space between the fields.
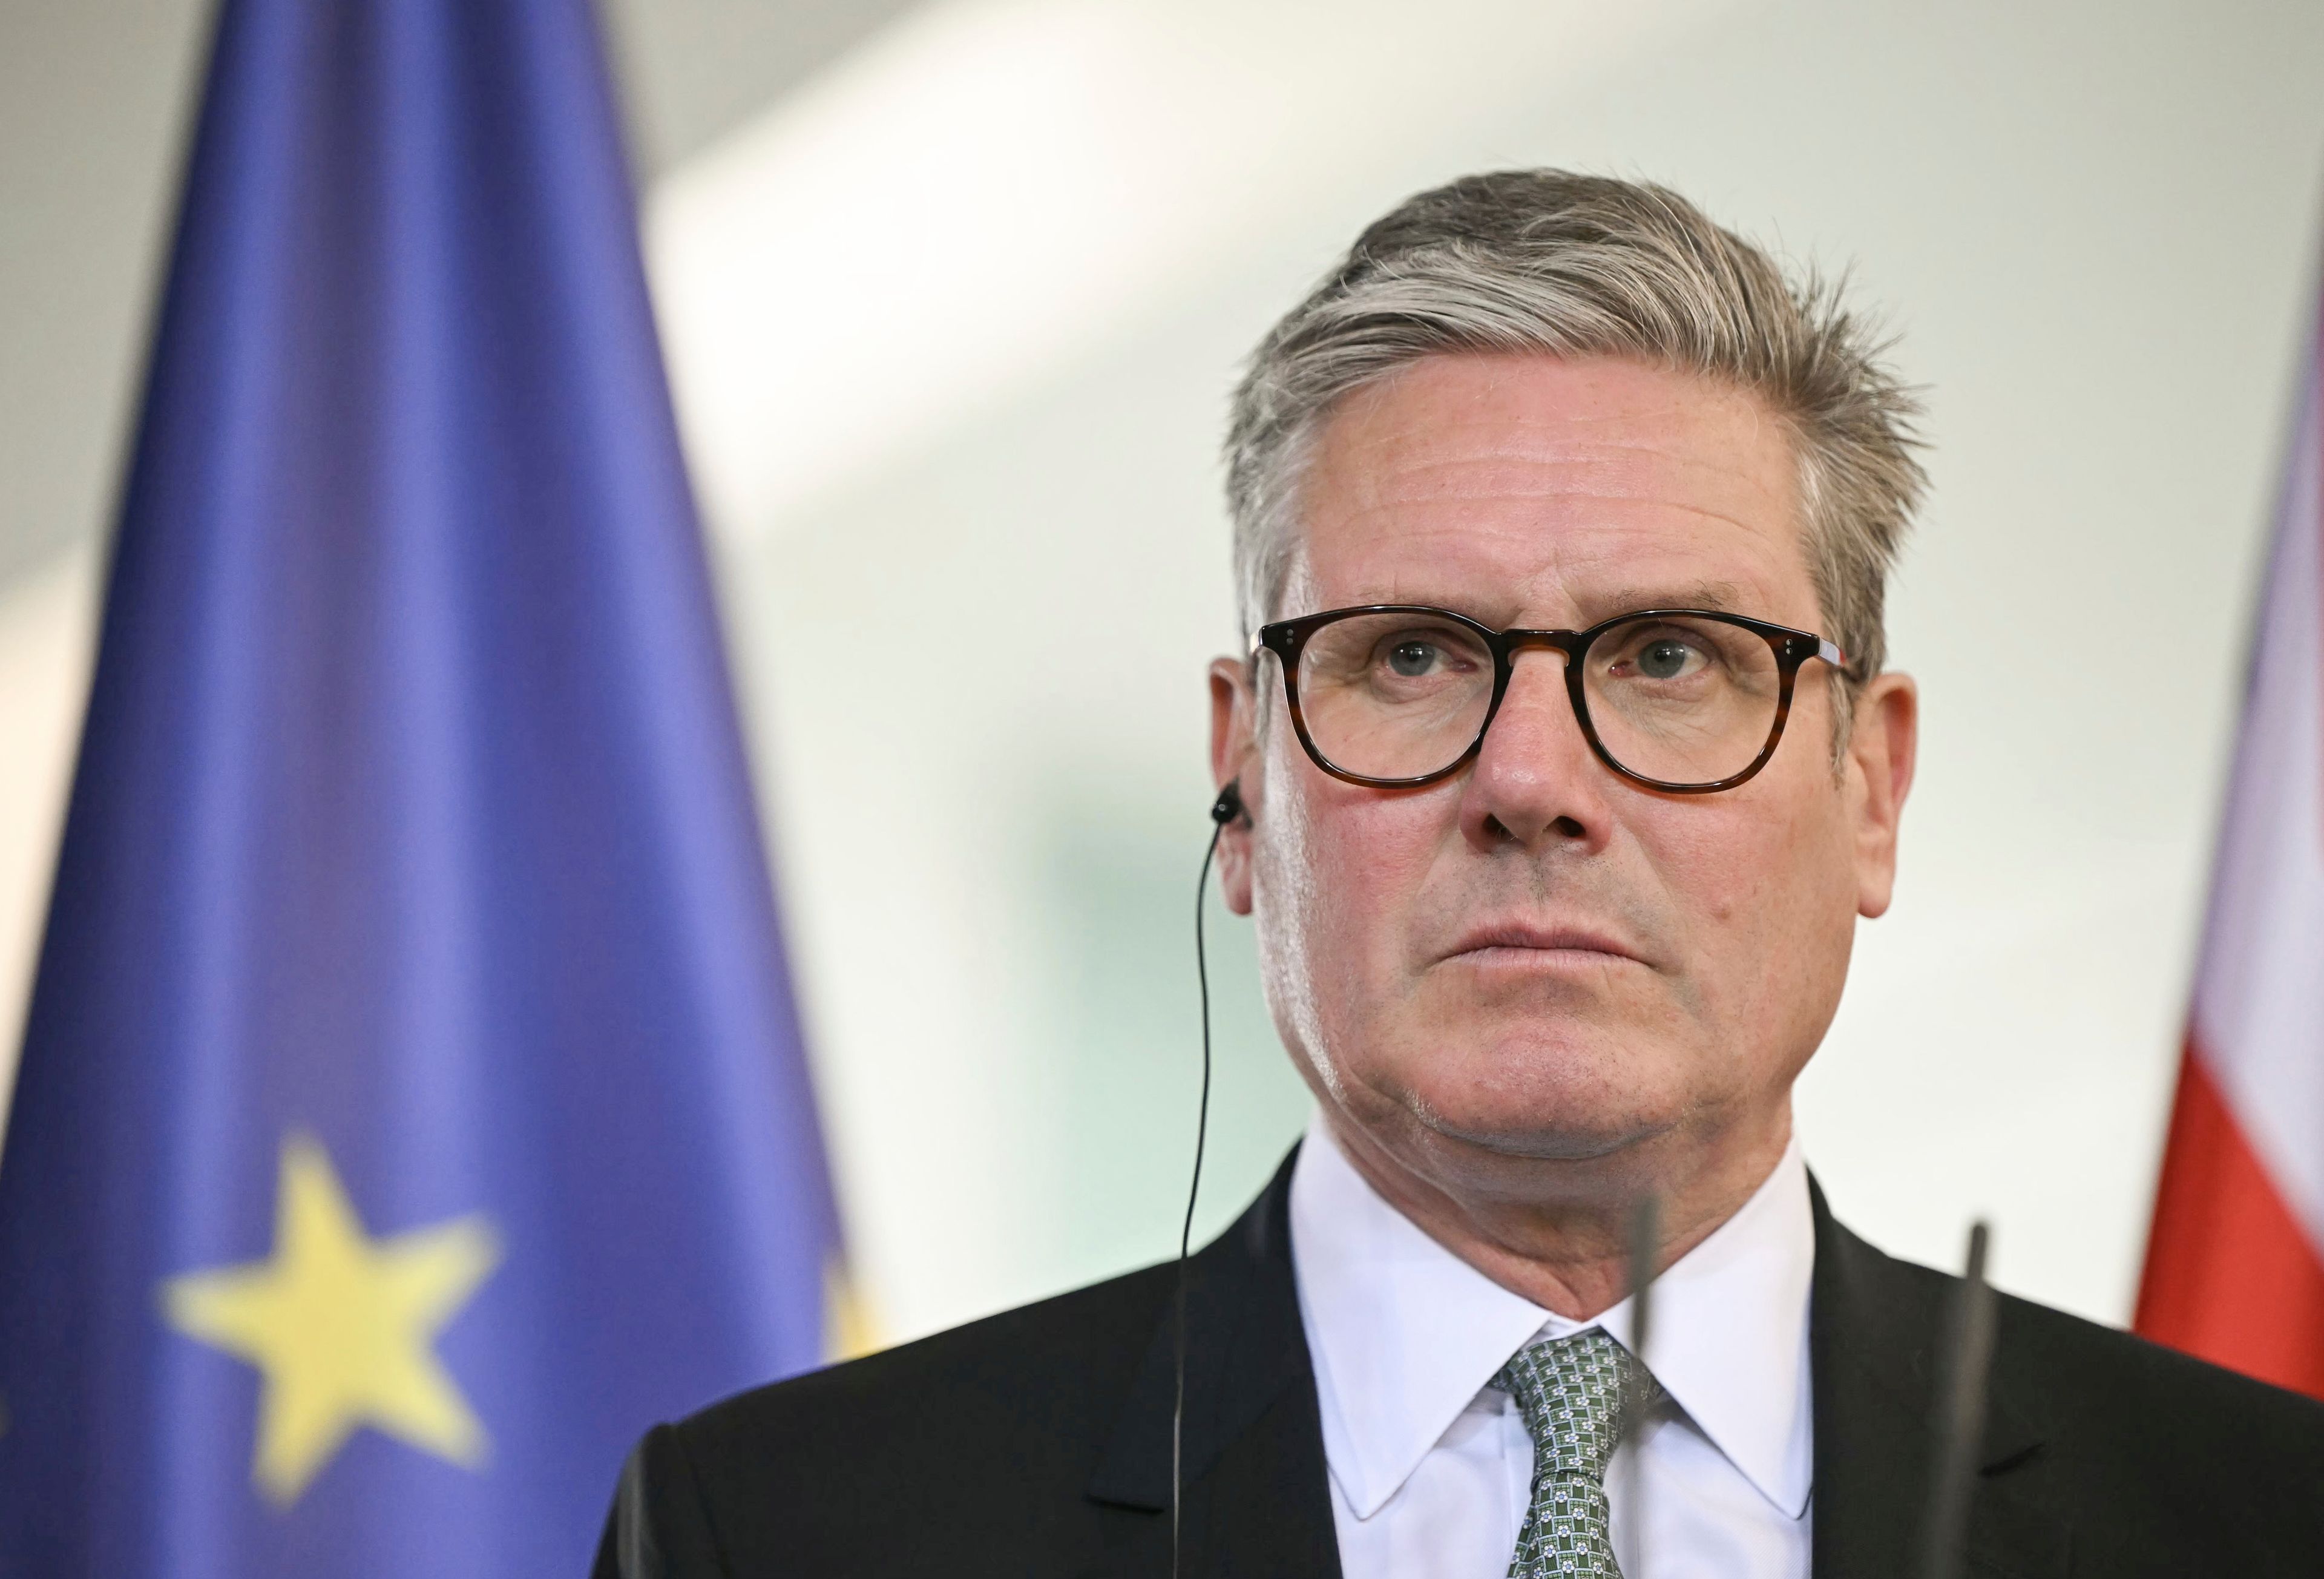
x=952 y=332
x=48 y=624
x=952 y=329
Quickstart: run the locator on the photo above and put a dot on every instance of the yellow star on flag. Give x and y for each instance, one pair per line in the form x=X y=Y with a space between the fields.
x=341 y=1326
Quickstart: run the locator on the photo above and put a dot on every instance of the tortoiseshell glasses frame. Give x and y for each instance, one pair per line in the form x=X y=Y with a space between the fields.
x=1790 y=650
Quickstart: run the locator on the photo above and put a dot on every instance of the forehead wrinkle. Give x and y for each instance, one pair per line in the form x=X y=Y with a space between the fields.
x=1457 y=496
x=1676 y=415
x=1715 y=597
x=1556 y=555
x=1601 y=580
x=1383 y=523
x=1604 y=471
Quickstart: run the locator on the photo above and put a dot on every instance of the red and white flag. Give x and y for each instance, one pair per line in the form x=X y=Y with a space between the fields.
x=2235 y=1268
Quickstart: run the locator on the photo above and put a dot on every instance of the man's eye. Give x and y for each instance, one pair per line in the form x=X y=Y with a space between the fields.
x=1412 y=660
x=1665 y=660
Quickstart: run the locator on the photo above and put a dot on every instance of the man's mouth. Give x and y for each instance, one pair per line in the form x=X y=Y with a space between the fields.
x=1521 y=943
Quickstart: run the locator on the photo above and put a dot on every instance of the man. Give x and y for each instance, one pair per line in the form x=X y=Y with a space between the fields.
x=1565 y=760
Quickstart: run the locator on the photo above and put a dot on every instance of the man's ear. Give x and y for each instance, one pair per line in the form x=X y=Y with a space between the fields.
x=1234 y=760
x=1881 y=747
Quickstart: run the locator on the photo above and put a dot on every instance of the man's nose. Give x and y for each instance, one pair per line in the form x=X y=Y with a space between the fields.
x=1536 y=779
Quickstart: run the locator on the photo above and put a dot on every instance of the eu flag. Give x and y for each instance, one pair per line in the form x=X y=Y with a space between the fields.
x=412 y=1108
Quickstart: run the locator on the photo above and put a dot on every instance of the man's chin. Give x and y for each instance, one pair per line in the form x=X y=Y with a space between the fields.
x=1569 y=1104
x=1534 y=1137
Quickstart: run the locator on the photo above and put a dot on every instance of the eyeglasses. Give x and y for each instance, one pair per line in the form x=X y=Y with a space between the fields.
x=1395 y=696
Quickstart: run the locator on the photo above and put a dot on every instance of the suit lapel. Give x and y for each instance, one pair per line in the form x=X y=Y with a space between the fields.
x=1873 y=1326
x=1256 y=1501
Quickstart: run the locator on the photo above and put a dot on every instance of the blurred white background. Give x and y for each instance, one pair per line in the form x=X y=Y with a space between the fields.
x=953 y=294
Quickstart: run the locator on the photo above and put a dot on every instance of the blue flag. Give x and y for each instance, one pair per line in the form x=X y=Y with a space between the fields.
x=412 y=1108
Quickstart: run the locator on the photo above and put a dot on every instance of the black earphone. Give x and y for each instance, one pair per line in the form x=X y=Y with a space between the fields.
x=1226 y=811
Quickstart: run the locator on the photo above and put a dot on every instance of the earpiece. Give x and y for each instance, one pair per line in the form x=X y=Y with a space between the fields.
x=1228 y=807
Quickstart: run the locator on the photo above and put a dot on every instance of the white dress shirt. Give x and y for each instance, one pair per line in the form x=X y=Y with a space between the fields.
x=1431 y=1470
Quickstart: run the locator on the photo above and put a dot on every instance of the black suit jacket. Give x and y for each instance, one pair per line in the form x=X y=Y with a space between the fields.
x=1037 y=1443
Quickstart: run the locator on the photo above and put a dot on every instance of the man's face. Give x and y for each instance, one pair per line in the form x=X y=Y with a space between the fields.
x=1536 y=958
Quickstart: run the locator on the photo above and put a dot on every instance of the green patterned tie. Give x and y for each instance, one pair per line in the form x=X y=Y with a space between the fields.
x=1572 y=1395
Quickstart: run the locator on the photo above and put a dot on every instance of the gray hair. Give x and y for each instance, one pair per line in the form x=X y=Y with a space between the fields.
x=1549 y=262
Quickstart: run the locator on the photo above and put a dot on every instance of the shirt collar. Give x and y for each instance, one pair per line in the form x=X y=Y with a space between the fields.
x=1404 y=1334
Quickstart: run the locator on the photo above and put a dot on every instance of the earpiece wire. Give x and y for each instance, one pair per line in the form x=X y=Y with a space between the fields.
x=1194 y=1192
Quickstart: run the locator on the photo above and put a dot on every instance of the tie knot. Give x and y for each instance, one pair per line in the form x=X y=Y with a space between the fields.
x=1575 y=1394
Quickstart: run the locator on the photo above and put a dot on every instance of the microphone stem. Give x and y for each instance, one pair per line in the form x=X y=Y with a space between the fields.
x=1964 y=1365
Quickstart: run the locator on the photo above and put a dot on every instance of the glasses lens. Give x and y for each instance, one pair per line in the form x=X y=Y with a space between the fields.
x=1682 y=701
x=1395 y=696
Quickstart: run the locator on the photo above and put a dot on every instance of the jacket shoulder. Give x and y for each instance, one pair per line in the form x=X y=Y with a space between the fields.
x=2157 y=1403
x=988 y=1435
x=2164 y=1454
x=2087 y=1379
x=1023 y=1363
x=2149 y=1451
